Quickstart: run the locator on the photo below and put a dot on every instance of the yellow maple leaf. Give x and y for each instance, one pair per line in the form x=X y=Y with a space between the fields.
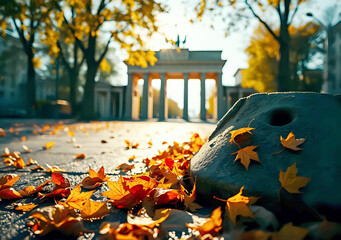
x=94 y=210
x=288 y=231
x=246 y=155
x=240 y=135
x=76 y=199
x=212 y=226
x=26 y=207
x=291 y=142
x=290 y=182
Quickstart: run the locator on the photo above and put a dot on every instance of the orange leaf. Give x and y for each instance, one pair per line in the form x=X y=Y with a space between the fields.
x=23 y=138
x=31 y=162
x=71 y=133
x=38 y=168
x=189 y=198
x=80 y=156
x=94 y=210
x=26 y=149
x=288 y=231
x=2 y=133
x=26 y=207
x=57 y=217
x=54 y=169
x=291 y=142
x=132 y=158
x=8 y=180
x=48 y=145
x=144 y=219
x=246 y=155
x=240 y=135
x=6 y=152
x=59 y=193
x=9 y=193
x=165 y=196
x=19 y=163
x=125 y=167
x=95 y=179
x=212 y=226
x=76 y=199
x=290 y=182
x=237 y=205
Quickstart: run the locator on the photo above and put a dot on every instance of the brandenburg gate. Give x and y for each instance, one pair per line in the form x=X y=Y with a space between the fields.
x=175 y=64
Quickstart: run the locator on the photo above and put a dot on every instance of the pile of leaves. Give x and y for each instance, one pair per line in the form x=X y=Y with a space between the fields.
x=150 y=198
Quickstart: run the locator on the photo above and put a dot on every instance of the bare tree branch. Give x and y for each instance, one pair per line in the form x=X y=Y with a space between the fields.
x=261 y=20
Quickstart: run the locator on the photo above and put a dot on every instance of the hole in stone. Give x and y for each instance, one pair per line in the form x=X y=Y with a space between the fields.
x=281 y=117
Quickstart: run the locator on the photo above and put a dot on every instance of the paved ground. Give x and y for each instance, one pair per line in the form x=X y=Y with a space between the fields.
x=89 y=136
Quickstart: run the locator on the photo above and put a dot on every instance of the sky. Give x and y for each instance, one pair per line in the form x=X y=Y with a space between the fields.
x=201 y=36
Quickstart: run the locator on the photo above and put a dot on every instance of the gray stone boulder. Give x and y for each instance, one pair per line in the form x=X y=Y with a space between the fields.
x=316 y=117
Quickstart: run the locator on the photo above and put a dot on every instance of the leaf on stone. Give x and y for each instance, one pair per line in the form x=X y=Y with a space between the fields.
x=212 y=226
x=237 y=205
x=80 y=156
x=240 y=135
x=18 y=163
x=125 y=167
x=31 y=162
x=94 y=179
x=23 y=138
x=59 y=193
x=48 y=145
x=132 y=158
x=76 y=199
x=291 y=142
x=29 y=190
x=60 y=180
x=54 y=169
x=26 y=149
x=288 y=231
x=57 y=217
x=26 y=207
x=246 y=155
x=289 y=180
x=94 y=210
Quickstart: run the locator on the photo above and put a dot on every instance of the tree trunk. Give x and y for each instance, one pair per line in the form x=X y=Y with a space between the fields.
x=88 y=103
x=31 y=104
x=284 y=81
x=73 y=80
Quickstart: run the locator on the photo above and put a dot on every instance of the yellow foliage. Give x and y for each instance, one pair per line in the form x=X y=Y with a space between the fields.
x=104 y=65
x=141 y=58
x=263 y=52
x=3 y=26
x=36 y=62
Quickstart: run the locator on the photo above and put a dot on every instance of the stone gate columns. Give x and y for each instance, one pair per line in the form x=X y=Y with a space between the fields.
x=203 y=96
x=220 y=100
x=132 y=98
x=185 y=109
x=163 y=98
x=129 y=94
x=145 y=97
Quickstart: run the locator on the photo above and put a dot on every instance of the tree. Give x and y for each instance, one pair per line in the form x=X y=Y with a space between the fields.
x=28 y=18
x=263 y=57
x=125 y=22
x=62 y=46
x=263 y=10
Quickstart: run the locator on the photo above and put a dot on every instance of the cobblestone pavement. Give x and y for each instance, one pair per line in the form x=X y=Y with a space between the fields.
x=102 y=143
